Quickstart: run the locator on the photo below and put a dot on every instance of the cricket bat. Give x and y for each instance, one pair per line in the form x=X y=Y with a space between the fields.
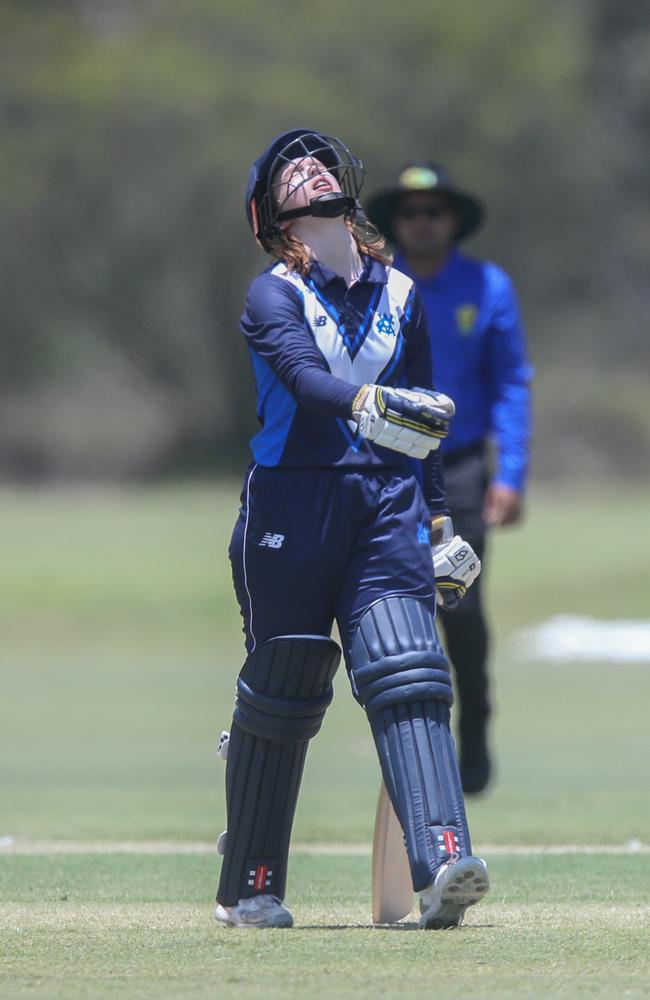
x=392 y=889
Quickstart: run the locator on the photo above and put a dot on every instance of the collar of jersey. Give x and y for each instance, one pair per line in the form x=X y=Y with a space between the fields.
x=373 y=271
x=353 y=345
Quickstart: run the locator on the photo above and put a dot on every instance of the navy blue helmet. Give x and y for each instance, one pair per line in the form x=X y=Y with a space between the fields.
x=263 y=211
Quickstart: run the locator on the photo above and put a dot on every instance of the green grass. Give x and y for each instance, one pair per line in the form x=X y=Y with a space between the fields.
x=121 y=643
x=101 y=925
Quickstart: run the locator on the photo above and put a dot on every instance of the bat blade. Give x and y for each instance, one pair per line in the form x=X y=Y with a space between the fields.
x=392 y=889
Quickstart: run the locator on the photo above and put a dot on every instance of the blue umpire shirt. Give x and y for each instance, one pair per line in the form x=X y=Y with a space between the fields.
x=313 y=343
x=479 y=355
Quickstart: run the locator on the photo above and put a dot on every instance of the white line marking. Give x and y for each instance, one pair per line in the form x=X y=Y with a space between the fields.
x=36 y=847
x=581 y=638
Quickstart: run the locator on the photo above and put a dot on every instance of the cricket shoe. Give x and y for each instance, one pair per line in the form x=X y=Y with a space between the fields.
x=258 y=911
x=458 y=884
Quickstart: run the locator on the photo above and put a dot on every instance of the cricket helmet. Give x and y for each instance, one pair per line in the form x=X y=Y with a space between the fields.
x=263 y=212
x=423 y=175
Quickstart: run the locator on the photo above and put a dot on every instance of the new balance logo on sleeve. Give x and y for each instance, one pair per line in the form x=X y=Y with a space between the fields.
x=271 y=541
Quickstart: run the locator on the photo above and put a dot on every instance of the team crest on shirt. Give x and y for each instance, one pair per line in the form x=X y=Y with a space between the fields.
x=386 y=324
x=466 y=319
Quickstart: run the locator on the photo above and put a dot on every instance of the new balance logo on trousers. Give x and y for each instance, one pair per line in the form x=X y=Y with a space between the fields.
x=271 y=541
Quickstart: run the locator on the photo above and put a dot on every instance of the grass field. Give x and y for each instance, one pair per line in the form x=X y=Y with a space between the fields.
x=121 y=642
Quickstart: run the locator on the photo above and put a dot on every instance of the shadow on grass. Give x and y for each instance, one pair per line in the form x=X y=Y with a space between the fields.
x=406 y=926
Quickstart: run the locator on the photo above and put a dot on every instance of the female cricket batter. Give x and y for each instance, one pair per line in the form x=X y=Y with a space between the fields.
x=339 y=509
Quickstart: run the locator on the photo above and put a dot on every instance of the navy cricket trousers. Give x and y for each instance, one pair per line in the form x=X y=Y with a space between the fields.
x=312 y=546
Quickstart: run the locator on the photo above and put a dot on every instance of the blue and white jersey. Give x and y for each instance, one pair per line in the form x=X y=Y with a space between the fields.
x=313 y=343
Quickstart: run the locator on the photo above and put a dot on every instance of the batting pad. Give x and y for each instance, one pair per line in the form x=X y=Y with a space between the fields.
x=401 y=677
x=283 y=692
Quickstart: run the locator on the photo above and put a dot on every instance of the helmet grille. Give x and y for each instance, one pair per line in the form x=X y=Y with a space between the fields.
x=331 y=152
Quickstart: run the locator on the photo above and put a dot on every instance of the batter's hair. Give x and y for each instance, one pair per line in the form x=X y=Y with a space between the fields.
x=295 y=255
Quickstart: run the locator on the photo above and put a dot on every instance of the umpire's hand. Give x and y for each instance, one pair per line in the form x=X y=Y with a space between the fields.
x=503 y=506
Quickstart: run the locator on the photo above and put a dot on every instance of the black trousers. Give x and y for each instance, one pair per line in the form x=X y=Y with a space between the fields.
x=465 y=629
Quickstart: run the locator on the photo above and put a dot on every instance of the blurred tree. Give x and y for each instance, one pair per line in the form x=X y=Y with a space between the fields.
x=127 y=132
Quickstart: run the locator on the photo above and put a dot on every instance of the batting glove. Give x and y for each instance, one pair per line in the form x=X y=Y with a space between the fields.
x=455 y=563
x=412 y=421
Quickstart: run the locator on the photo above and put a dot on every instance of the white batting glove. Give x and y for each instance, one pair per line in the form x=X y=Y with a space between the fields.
x=223 y=744
x=455 y=563
x=412 y=421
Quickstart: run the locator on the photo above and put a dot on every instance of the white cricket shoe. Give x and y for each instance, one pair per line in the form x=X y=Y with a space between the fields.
x=458 y=884
x=258 y=911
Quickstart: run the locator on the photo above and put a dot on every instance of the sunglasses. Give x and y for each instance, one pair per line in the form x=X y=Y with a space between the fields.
x=431 y=211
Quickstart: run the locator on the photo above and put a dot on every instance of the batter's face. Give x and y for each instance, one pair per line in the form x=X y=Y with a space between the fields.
x=425 y=223
x=300 y=180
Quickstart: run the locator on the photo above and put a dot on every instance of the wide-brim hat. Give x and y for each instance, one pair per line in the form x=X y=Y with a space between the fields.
x=425 y=176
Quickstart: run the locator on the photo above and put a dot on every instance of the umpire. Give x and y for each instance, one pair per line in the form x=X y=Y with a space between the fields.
x=479 y=355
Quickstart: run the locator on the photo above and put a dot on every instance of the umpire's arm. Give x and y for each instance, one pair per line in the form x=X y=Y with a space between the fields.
x=510 y=374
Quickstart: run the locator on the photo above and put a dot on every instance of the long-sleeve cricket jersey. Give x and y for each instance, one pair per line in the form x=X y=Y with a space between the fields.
x=479 y=353
x=313 y=343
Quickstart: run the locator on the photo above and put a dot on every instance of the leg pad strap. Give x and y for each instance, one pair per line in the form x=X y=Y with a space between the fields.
x=397 y=657
x=284 y=688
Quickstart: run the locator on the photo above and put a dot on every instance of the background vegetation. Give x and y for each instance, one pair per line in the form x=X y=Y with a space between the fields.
x=128 y=127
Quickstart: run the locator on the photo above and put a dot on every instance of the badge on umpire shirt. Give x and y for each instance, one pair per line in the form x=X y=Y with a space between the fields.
x=466 y=319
